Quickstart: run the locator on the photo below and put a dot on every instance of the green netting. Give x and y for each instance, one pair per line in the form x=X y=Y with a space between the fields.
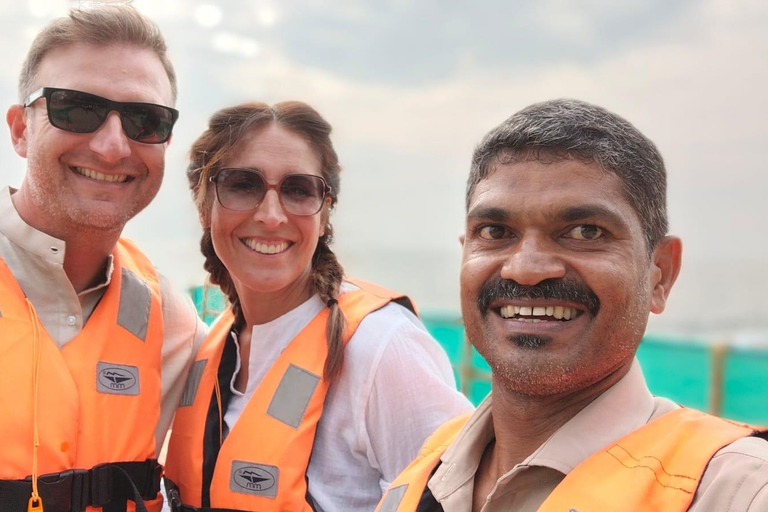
x=209 y=302
x=679 y=369
x=745 y=394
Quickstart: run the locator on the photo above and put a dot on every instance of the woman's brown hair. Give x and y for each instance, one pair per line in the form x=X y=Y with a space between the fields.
x=225 y=129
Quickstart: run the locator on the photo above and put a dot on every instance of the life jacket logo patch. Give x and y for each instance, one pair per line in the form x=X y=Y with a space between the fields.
x=117 y=379
x=255 y=479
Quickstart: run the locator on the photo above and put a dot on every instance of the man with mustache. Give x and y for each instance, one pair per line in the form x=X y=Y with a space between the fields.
x=565 y=254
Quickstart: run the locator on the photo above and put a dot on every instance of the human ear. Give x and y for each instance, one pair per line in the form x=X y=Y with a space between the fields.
x=16 y=117
x=325 y=214
x=665 y=267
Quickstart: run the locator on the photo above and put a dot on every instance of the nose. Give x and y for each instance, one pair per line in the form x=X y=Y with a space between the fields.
x=109 y=141
x=533 y=260
x=270 y=212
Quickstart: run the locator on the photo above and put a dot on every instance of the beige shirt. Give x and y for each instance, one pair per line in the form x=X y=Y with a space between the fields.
x=37 y=262
x=736 y=479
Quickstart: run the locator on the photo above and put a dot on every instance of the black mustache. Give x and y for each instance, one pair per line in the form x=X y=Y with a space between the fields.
x=566 y=290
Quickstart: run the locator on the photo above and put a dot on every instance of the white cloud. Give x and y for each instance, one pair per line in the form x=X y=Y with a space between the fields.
x=229 y=42
x=208 y=15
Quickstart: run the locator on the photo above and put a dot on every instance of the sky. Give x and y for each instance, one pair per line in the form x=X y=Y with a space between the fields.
x=410 y=88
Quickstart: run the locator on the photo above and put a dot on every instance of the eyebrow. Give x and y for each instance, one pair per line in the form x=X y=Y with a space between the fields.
x=568 y=214
x=582 y=212
x=491 y=213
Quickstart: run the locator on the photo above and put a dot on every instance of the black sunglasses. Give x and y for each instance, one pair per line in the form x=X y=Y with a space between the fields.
x=244 y=189
x=82 y=112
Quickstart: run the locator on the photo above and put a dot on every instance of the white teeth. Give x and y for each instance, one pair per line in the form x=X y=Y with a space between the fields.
x=266 y=248
x=98 y=176
x=532 y=312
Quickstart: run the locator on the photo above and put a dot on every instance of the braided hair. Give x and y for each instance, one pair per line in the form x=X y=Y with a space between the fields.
x=225 y=130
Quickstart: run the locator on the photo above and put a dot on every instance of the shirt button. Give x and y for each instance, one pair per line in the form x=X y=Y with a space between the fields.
x=71 y=319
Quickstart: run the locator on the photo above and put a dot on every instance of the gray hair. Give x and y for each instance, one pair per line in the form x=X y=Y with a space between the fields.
x=566 y=129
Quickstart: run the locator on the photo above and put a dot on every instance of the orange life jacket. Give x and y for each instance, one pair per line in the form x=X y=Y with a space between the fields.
x=95 y=401
x=262 y=463
x=656 y=467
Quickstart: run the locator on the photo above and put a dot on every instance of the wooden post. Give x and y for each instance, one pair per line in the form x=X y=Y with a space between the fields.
x=468 y=373
x=719 y=353
x=465 y=370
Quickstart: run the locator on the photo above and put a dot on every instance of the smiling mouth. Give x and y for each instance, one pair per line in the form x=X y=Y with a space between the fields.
x=263 y=248
x=98 y=176
x=539 y=313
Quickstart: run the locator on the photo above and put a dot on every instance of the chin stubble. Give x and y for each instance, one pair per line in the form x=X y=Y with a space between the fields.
x=529 y=341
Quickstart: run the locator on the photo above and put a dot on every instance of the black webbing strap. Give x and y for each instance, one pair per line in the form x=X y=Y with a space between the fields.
x=107 y=485
x=174 y=500
x=427 y=502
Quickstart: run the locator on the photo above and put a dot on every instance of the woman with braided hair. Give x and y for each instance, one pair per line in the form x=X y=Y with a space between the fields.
x=311 y=392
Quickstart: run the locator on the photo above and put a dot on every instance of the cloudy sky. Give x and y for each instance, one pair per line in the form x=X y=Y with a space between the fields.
x=411 y=86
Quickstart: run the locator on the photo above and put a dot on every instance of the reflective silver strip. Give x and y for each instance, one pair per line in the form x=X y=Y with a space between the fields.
x=193 y=382
x=135 y=300
x=293 y=395
x=393 y=498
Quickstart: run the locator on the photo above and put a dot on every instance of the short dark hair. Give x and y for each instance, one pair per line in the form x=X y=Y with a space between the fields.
x=565 y=129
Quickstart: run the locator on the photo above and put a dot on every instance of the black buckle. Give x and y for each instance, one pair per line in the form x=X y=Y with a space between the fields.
x=174 y=498
x=66 y=490
x=152 y=483
x=80 y=494
x=101 y=484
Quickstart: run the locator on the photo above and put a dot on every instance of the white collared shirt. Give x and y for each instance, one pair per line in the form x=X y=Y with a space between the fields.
x=395 y=389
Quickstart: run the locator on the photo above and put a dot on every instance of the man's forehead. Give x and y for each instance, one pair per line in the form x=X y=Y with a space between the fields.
x=548 y=187
x=122 y=72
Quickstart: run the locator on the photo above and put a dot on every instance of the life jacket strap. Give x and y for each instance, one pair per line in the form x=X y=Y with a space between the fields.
x=174 y=499
x=107 y=485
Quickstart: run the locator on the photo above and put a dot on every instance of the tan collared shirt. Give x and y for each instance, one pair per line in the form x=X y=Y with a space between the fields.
x=736 y=479
x=37 y=262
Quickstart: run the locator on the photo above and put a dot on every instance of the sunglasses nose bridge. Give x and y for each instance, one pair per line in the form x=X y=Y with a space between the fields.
x=110 y=140
x=270 y=208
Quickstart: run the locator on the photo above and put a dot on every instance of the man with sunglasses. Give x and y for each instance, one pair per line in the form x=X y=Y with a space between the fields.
x=96 y=345
x=565 y=255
